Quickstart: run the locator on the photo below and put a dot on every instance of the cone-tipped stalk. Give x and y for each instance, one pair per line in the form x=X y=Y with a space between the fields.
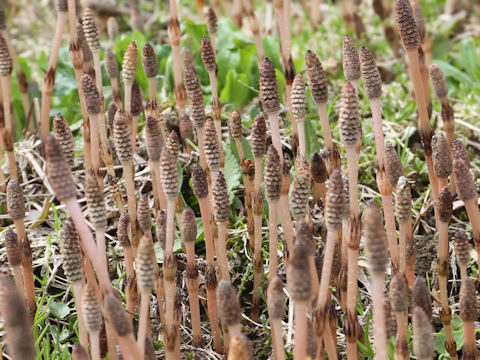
x=150 y=68
x=111 y=66
x=299 y=110
x=408 y=32
x=200 y=188
x=189 y=236
x=14 y=256
x=93 y=318
x=229 y=308
x=377 y=258
x=221 y=213
x=372 y=83
x=63 y=134
x=174 y=36
x=403 y=205
x=351 y=61
x=129 y=70
x=442 y=159
x=319 y=174
x=399 y=302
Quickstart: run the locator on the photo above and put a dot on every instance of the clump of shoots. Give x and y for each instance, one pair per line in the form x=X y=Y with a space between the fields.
x=372 y=83
x=300 y=289
x=150 y=68
x=469 y=314
x=122 y=325
x=72 y=266
x=442 y=159
x=318 y=170
x=317 y=82
x=221 y=213
x=129 y=70
x=111 y=66
x=408 y=32
x=399 y=303
x=423 y=339
x=17 y=324
x=299 y=110
x=200 y=189
x=462 y=251
x=145 y=269
x=16 y=211
x=189 y=235
x=377 y=258
x=49 y=77
x=9 y=131
x=468 y=194
x=403 y=205
x=92 y=314
x=197 y=109
x=276 y=312
x=208 y=57
x=333 y=219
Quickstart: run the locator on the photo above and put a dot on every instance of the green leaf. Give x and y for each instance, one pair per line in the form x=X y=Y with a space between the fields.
x=60 y=310
x=470 y=58
x=311 y=139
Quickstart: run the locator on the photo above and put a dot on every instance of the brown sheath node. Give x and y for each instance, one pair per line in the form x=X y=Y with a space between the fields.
x=15 y=200
x=319 y=318
x=407 y=28
x=58 y=170
x=90 y=30
x=317 y=80
x=351 y=61
x=210 y=277
x=351 y=326
x=269 y=95
x=169 y=267
x=64 y=137
x=149 y=61
x=441 y=156
x=372 y=81
x=289 y=71
x=354 y=231
x=442 y=267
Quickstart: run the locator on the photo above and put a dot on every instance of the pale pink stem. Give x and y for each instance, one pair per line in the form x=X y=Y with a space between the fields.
x=301 y=323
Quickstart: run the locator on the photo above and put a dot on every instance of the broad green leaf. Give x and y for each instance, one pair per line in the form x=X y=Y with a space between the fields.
x=60 y=310
x=470 y=59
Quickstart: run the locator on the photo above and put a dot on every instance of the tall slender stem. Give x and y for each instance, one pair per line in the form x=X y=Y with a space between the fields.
x=222 y=250
x=82 y=329
x=9 y=124
x=327 y=133
x=95 y=345
x=27 y=270
x=143 y=322
x=379 y=330
x=152 y=88
x=129 y=177
x=273 y=236
x=301 y=323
